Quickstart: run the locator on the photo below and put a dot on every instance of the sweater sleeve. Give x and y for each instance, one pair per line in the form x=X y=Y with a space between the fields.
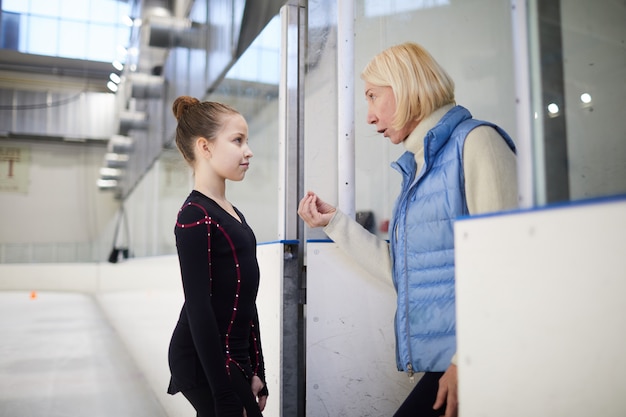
x=192 y=242
x=490 y=172
x=370 y=251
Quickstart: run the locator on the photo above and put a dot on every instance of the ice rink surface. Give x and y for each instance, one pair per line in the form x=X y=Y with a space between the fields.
x=60 y=357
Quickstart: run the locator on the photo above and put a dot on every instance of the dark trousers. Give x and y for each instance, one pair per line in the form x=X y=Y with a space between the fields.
x=201 y=398
x=420 y=401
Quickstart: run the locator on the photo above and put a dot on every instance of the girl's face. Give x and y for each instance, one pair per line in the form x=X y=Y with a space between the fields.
x=230 y=153
x=381 y=109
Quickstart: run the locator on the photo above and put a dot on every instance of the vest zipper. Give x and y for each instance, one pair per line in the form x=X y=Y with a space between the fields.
x=406 y=289
x=402 y=214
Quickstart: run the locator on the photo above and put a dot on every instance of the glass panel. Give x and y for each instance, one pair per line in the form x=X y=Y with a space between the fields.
x=320 y=105
x=257 y=100
x=122 y=39
x=107 y=11
x=43 y=36
x=475 y=49
x=18 y=6
x=45 y=27
x=75 y=9
x=257 y=195
x=45 y=7
x=10 y=31
x=73 y=39
x=594 y=70
x=374 y=8
x=102 y=43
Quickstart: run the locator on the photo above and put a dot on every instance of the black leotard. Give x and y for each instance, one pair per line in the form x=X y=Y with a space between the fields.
x=218 y=330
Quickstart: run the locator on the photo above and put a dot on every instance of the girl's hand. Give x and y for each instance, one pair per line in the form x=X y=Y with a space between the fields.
x=257 y=385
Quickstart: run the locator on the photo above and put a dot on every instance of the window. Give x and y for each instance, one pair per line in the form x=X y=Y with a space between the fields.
x=261 y=61
x=78 y=29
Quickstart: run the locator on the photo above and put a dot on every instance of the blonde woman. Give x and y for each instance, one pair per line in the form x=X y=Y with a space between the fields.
x=454 y=165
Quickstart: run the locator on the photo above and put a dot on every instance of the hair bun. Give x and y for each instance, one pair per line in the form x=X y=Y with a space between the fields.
x=181 y=104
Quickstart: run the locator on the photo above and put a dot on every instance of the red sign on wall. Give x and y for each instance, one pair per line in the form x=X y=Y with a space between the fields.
x=14 y=169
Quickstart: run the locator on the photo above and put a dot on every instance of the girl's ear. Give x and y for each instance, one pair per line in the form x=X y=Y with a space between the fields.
x=203 y=147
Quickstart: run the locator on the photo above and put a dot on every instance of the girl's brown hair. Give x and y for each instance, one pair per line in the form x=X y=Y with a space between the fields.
x=197 y=119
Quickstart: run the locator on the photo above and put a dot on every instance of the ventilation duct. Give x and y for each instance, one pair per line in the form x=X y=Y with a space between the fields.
x=120 y=144
x=144 y=86
x=132 y=120
x=116 y=160
x=107 y=184
x=111 y=173
x=171 y=32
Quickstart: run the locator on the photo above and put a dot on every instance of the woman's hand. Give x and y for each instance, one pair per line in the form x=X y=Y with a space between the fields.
x=447 y=393
x=257 y=385
x=314 y=211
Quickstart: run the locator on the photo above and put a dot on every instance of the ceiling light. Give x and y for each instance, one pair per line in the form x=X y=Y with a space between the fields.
x=115 y=78
x=116 y=160
x=110 y=173
x=553 y=110
x=112 y=86
x=585 y=98
x=106 y=184
x=128 y=21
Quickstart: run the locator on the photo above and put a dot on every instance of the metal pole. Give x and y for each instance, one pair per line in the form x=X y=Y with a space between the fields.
x=291 y=229
x=345 y=107
x=523 y=103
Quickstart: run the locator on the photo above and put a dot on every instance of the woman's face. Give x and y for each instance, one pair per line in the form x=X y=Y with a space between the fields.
x=381 y=109
x=230 y=153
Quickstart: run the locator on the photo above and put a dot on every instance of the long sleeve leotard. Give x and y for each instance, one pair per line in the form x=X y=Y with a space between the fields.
x=218 y=330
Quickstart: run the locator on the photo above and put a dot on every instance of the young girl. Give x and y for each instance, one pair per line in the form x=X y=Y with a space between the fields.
x=215 y=352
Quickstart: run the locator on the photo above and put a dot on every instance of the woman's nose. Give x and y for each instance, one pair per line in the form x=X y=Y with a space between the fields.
x=371 y=118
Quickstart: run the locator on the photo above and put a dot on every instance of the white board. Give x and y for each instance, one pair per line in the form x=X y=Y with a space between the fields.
x=351 y=369
x=541 y=312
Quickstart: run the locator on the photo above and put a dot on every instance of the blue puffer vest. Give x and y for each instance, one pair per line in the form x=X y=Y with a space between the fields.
x=422 y=244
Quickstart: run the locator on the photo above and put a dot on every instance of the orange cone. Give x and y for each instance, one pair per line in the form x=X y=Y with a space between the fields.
x=33 y=295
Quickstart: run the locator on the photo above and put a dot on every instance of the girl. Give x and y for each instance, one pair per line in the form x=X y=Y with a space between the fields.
x=215 y=352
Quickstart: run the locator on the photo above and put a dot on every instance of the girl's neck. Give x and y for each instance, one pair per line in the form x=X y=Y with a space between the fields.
x=217 y=194
x=215 y=191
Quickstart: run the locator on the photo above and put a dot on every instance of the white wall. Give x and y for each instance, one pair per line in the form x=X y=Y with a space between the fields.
x=61 y=202
x=541 y=313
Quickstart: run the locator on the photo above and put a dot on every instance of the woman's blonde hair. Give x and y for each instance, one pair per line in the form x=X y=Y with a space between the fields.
x=419 y=84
